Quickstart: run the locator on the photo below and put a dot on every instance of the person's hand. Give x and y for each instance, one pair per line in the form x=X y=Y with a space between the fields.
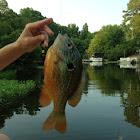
x=4 y=137
x=33 y=34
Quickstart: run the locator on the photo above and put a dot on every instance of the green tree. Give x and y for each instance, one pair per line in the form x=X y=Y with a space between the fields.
x=108 y=40
x=3 y=6
x=85 y=38
x=132 y=18
x=8 y=25
x=73 y=31
x=84 y=31
x=29 y=15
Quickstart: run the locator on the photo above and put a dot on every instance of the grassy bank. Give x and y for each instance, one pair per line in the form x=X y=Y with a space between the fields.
x=10 y=89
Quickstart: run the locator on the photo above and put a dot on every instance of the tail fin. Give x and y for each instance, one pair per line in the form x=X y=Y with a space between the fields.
x=56 y=121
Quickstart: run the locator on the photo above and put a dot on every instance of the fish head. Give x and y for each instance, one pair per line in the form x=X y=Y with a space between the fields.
x=66 y=51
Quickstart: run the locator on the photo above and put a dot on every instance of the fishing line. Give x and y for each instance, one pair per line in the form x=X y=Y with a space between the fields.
x=60 y=25
x=61 y=14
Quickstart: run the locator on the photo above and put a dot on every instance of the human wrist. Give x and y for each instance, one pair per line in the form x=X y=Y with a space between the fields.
x=19 y=48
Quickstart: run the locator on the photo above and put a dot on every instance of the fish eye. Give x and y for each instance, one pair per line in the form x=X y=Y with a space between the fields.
x=69 y=45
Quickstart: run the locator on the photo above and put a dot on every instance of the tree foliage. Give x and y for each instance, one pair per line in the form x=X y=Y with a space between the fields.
x=110 y=40
x=132 y=18
x=3 y=6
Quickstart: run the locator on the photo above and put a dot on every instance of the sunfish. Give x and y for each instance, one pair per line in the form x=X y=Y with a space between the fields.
x=63 y=81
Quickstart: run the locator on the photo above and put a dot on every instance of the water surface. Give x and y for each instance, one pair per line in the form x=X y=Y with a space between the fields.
x=109 y=109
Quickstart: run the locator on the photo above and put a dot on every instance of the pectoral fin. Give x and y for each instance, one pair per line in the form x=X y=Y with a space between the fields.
x=75 y=99
x=44 y=99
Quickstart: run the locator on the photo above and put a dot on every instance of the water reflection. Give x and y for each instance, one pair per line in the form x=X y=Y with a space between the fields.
x=131 y=104
x=108 y=89
x=60 y=96
x=128 y=65
x=94 y=64
x=113 y=81
x=29 y=105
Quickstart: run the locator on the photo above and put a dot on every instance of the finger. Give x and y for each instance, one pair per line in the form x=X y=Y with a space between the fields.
x=42 y=23
x=42 y=44
x=48 y=30
x=38 y=39
x=46 y=39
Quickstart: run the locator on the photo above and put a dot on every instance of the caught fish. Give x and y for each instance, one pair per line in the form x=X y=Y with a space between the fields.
x=63 y=81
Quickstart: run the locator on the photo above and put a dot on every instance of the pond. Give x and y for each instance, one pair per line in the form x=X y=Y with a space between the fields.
x=109 y=109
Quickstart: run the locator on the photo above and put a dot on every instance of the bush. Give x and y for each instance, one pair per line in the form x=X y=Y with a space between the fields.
x=11 y=89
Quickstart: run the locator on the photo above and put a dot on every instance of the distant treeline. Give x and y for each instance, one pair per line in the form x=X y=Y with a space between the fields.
x=111 y=40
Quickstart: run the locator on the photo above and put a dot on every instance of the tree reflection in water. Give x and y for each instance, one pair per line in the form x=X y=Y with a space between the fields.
x=113 y=81
x=28 y=105
x=110 y=79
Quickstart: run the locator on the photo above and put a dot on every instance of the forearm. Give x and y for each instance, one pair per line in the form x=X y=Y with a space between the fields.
x=9 y=54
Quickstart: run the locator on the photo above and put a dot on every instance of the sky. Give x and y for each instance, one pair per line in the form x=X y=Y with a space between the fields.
x=95 y=13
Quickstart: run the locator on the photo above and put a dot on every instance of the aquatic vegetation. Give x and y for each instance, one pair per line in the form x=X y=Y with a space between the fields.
x=13 y=88
x=8 y=74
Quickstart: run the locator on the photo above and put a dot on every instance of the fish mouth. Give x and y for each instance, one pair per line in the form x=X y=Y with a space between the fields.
x=70 y=66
